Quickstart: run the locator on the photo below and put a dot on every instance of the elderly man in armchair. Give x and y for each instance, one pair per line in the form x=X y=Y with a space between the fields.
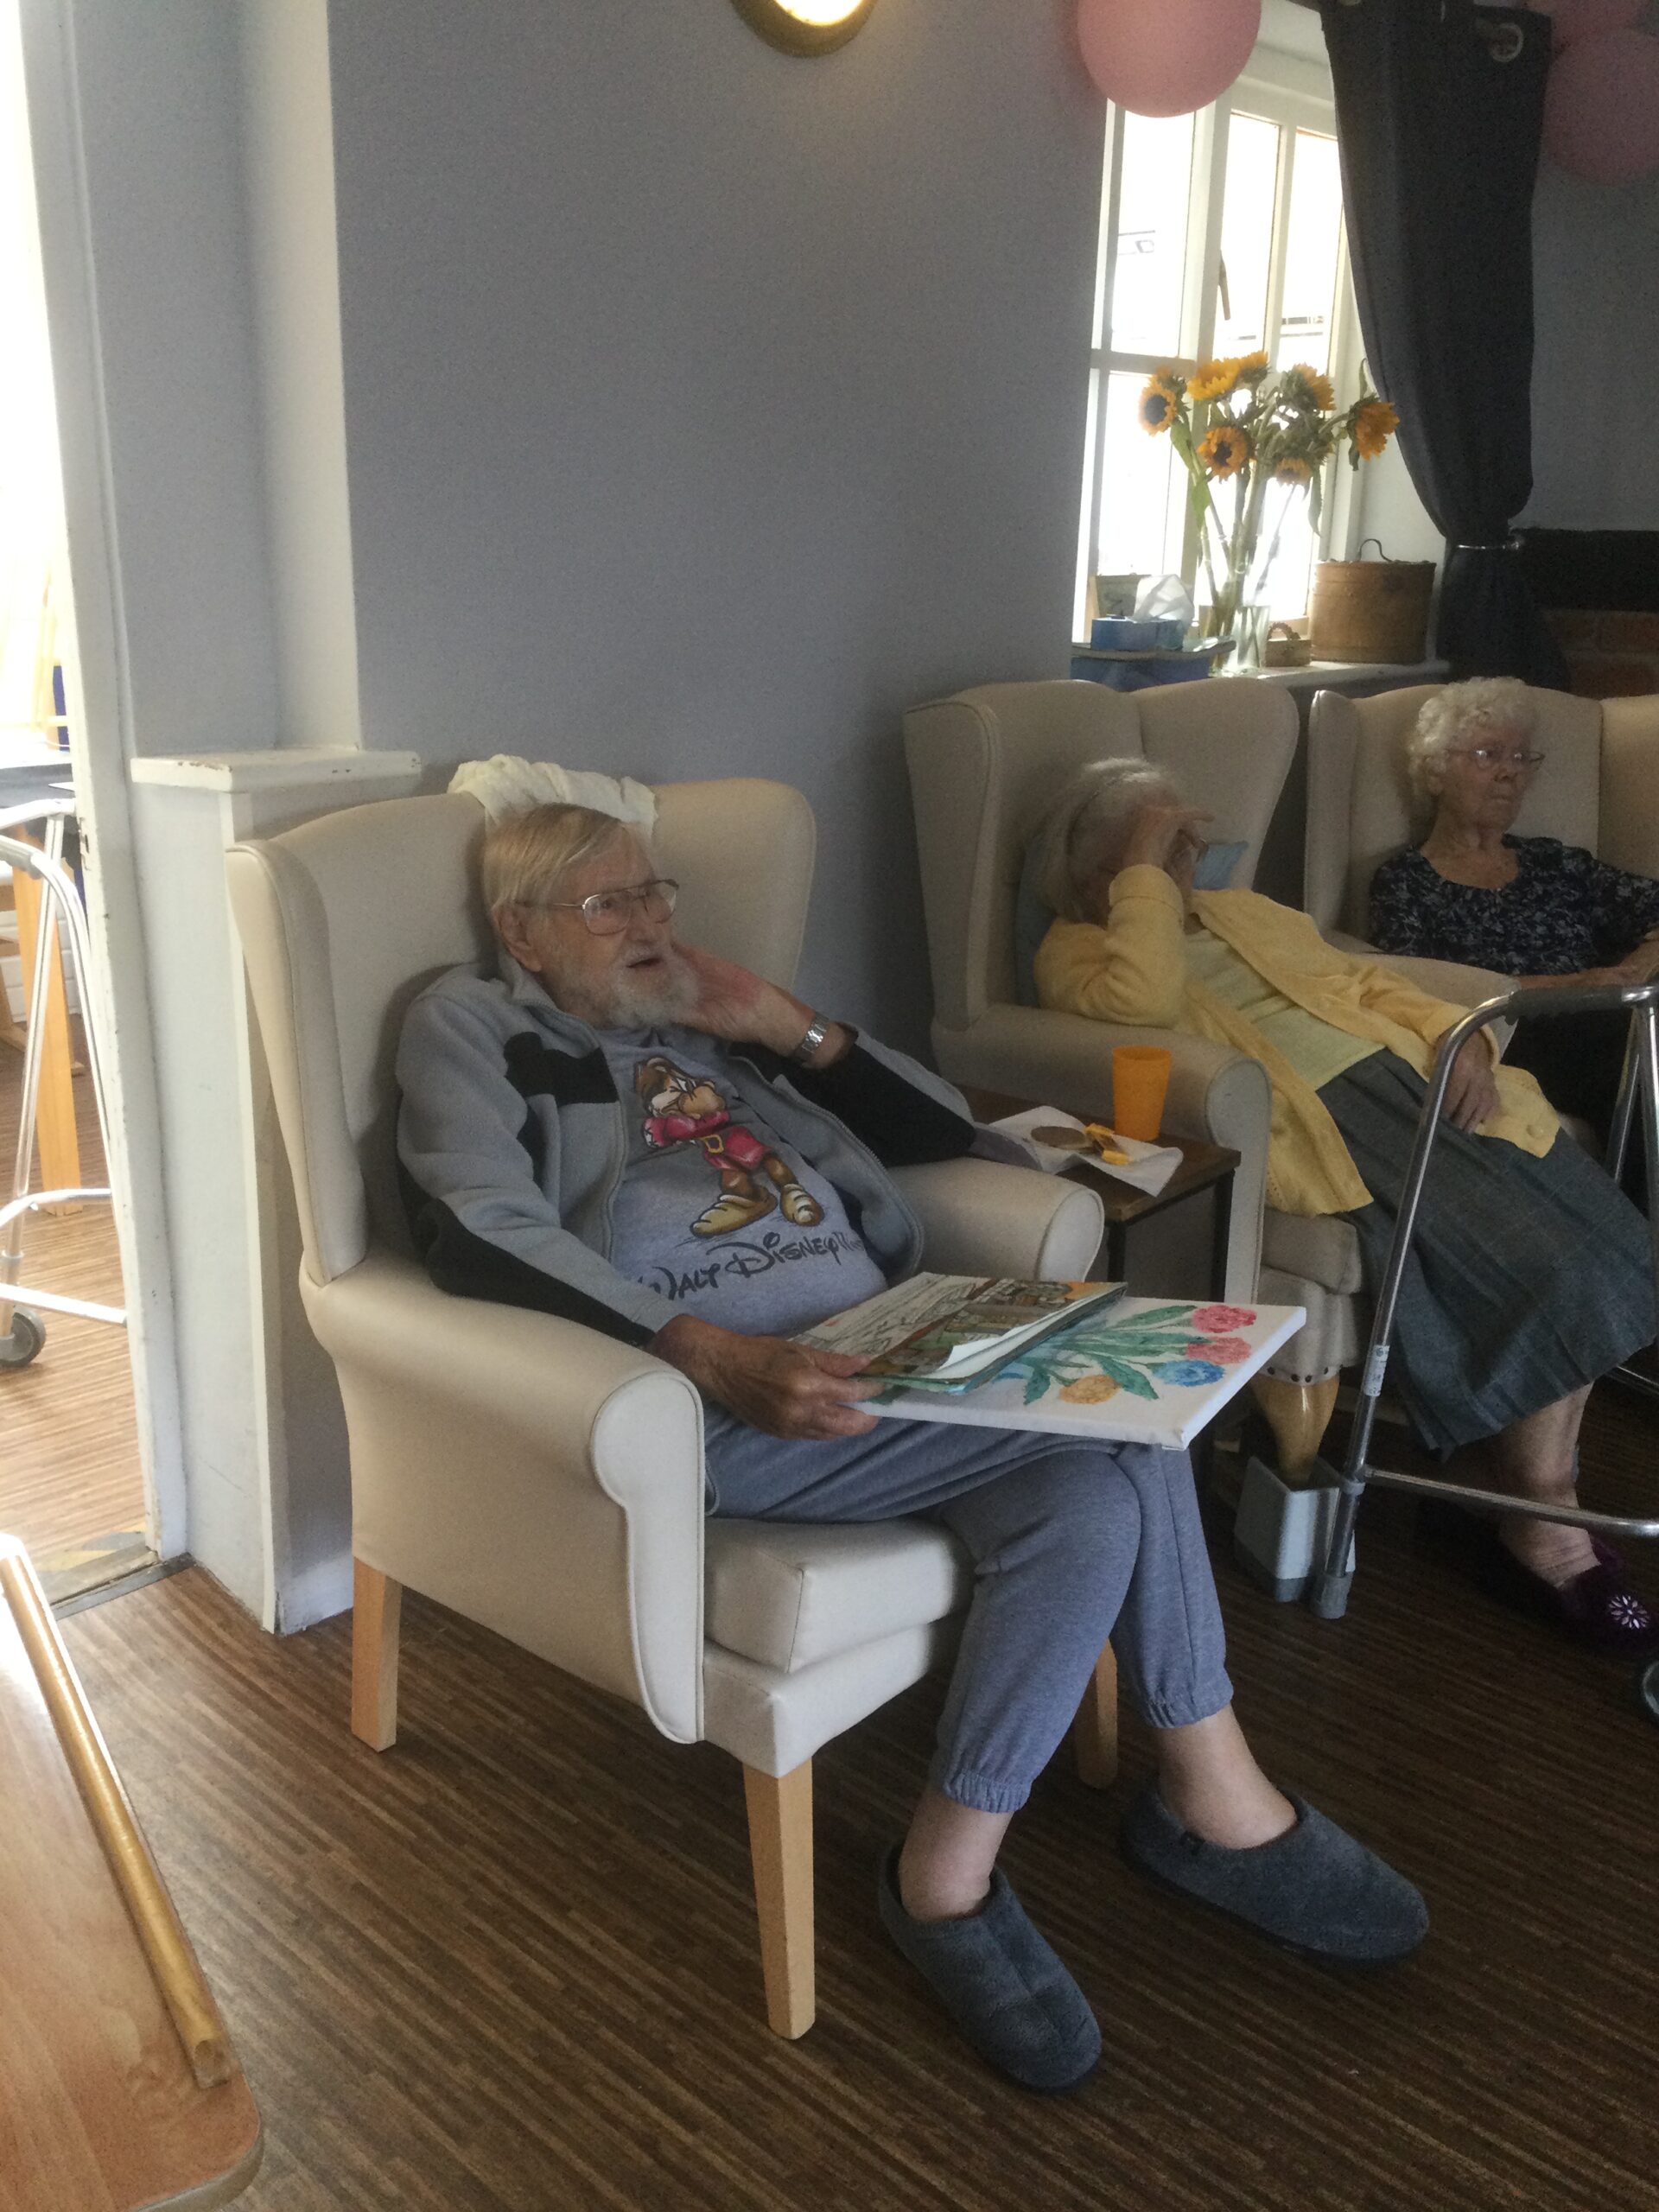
x=634 y=1134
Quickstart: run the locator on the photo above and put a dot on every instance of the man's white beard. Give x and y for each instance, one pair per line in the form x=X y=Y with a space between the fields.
x=634 y=999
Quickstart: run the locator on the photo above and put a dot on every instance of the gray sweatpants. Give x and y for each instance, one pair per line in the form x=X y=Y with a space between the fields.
x=1070 y=1543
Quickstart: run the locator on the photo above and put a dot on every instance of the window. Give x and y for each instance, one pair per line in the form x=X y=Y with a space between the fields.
x=1220 y=233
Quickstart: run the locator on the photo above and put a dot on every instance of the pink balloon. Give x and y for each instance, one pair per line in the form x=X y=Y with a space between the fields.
x=1601 y=108
x=1577 y=19
x=1166 y=57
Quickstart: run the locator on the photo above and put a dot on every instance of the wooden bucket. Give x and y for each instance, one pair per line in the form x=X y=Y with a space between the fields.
x=1371 y=610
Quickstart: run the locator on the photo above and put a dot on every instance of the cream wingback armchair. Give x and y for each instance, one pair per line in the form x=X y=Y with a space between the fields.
x=1601 y=790
x=983 y=767
x=533 y=1475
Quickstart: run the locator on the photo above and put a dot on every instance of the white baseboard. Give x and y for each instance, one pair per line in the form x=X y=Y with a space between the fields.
x=317 y=1594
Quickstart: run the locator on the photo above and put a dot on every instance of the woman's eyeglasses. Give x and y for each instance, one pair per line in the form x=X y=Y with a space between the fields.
x=1500 y=756
x=605 y=913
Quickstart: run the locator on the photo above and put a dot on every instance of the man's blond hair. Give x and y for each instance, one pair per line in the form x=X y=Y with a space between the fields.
x=527 y=859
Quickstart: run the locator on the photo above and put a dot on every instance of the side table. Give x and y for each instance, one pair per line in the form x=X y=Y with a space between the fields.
x=1204 y=1167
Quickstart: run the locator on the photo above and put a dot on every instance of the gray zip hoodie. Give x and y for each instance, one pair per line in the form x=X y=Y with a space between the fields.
x=511 y=1142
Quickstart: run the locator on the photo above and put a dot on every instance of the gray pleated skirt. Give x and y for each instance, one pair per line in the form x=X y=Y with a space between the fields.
x=1527 y=1278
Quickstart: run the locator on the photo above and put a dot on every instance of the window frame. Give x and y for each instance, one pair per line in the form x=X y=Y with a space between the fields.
x=1295 y=95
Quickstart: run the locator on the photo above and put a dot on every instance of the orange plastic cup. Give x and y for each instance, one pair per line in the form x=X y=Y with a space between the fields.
x=1139 y=1079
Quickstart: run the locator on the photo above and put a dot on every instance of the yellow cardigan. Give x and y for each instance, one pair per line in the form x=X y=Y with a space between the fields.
x=1134 y=970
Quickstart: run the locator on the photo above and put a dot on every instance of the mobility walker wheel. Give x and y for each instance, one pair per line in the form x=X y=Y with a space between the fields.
x=1647 y=1688
x=24 y=1338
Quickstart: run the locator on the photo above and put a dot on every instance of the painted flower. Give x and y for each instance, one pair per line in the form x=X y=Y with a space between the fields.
x=1228 y=1350
x=1292 y=470
x=1374 y=424
x=1090 y=1390
x=1158 y=402
x=1252 y=367
x=1187 y=1372
x=1221 y=1320
x=1213 y=379
x=1317 y=386
x=1225 y=449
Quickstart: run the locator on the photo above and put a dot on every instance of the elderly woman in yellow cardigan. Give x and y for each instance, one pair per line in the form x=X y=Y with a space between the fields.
x=1530 y=1273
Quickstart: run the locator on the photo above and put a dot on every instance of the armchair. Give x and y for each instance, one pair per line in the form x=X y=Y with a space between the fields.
x=538 y=1477
x=983 y=767
x=1601 y=792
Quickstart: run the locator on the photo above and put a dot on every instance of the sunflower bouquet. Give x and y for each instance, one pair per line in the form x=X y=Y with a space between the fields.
x=1241 y=423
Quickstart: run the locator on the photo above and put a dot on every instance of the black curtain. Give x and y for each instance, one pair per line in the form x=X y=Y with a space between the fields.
x=1440 y=113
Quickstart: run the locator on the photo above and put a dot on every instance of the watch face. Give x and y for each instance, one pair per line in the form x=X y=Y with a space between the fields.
x=805 y=27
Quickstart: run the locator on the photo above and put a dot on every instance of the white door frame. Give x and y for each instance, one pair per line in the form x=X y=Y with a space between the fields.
x=99 y=703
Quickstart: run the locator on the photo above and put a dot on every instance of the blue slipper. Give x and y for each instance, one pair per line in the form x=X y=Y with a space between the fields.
x=1315 y=1889
x=1005 y=1990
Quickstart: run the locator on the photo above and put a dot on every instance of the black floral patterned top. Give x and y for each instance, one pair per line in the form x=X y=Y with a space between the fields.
x=1565 y=911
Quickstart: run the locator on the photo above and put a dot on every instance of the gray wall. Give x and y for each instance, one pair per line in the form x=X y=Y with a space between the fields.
x=706 y=407
x=1595 y=385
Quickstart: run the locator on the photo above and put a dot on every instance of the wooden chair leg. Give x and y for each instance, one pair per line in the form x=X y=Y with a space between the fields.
x=780 y=1845
x=57 y=1144
x=377 y=1604
x=1298 y=1413
x=11 y=1031
x=1094 y=1733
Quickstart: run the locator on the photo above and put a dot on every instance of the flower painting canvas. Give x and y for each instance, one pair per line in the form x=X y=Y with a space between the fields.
x=1148 y=1371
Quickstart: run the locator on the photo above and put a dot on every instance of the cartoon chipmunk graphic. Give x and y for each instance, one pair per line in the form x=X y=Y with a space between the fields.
x=683 y=1110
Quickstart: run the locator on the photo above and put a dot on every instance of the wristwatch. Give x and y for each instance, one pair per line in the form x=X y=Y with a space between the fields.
x=810 y=1044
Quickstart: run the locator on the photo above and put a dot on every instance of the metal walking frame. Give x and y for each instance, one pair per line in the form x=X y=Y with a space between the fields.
x=22 y=1331
x=1328 y=1592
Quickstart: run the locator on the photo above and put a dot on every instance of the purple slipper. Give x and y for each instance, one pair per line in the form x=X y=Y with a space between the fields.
x=1598 y=1608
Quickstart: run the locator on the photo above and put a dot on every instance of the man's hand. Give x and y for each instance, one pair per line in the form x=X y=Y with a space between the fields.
x=1471 y=1094
x=1159 y=835
x=787 y=1390
x=745 y=1009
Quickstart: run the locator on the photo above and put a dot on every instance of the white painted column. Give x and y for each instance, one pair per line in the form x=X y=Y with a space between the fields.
x=288 y=146
x=261 y=1439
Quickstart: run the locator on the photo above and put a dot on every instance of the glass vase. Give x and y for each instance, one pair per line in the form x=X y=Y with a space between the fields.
x=1237 y=561
x=1250 y=626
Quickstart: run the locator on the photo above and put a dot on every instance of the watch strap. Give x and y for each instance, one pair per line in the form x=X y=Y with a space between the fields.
x=810 y=1044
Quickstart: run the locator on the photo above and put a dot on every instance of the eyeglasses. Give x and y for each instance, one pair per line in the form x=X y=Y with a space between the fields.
x=1500 y=756
x=605 y=913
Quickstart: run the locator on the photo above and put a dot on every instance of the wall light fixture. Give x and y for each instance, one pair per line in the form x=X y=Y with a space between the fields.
x=805 y=27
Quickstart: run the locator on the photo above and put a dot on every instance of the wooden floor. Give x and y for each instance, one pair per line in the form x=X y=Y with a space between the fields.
x=69 y=1469
x=509 y=1966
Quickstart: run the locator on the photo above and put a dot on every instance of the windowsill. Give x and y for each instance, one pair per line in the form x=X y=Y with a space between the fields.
x=1330 y=675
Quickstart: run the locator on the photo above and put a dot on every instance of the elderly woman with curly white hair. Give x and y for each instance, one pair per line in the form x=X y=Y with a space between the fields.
x=1530 y=1273
x=1530 y=908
